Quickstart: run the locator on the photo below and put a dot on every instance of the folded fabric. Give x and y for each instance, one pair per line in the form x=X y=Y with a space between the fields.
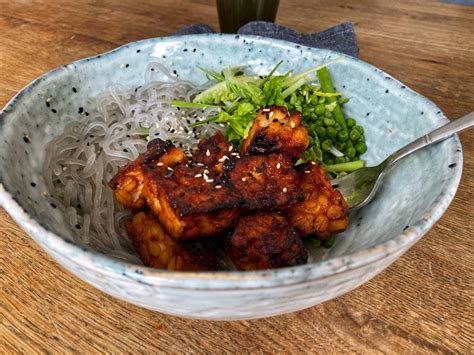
x=340 y=38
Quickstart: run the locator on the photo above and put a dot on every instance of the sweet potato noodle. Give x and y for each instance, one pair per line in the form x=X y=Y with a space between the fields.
x=111 y=130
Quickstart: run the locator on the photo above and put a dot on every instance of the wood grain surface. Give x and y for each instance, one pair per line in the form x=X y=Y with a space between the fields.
x=423 y=303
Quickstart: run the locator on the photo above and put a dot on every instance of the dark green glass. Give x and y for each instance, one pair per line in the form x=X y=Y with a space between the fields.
x=233 y=14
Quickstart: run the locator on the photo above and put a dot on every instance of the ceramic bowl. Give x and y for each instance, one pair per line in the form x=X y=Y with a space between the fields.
x=413 y=197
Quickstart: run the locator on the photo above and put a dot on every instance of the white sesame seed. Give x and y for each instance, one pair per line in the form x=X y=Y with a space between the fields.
x=266 y=110
x=218 y=186
x=159 y=164
x=270 y=114
x=208 y=153
x=209 y=180
x=198 y=175
x=206 y=171
x=278 y=166
x=313 y=163
x=285 y=190
x=234 y=154
x=231 y=148
x=307 y=172
x=223 y=158
x=244 y=179
x=199 y=164
x=170 y=169
x=205 y=176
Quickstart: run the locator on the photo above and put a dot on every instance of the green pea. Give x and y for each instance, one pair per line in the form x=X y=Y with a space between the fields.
x=340 y=160
x=326 y=145
x=350 y=152
x=327 y=156
x=354 y=135
x=319 y=122
x=361 y=147
x=359 y=128
x=331 y=132
x=341 y=146
x=316 y=243
x=342 y=136
x=350 y=122
x=329 y=161
x=328 y=243
x=307 y=112
x=320 y=131
x=328 y=114
x=328 y=122
x=319 y=109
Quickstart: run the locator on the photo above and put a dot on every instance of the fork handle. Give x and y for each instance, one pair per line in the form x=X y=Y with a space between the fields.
x=435 y=136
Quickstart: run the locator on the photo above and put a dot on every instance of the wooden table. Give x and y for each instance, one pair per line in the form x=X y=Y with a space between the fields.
x=422 y=303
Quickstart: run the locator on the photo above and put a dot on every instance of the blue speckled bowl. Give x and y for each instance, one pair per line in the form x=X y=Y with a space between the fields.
x=413 y=198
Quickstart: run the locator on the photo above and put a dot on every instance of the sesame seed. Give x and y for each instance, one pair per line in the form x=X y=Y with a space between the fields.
x=285 y=190
x=199 y=164
x=270 y=114
x=234 y=154
x=159 y=164
x=206 y=171
x=307 y=172
x=205 y=176
x=244 y=179
x=223 y=158
x=170 y=169
x=208 y=153
x=313 y=163
x=230 y=148
x=266 y=110
x=218 y=186
x=198 y=175
x=278 y=166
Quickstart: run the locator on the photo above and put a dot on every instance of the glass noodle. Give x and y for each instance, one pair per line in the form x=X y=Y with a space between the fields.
x=80 y=161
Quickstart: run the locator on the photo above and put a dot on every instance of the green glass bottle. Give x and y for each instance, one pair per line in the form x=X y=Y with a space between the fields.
x=233 y=14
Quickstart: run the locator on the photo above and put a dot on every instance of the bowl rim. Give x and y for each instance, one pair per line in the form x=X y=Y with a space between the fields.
x=101 y=263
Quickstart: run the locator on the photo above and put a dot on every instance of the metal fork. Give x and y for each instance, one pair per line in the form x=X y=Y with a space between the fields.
x=360 y=186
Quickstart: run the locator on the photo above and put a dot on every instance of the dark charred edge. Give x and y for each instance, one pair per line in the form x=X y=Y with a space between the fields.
x=262 y=144
x=185 y=209
x=155 y=149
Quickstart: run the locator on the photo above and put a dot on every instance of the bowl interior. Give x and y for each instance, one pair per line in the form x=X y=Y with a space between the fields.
x=391 y=114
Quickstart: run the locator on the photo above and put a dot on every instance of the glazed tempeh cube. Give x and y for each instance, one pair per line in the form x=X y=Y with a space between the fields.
x=264 y=240
x=274 y=131
x=158 y=249
x=324 y=211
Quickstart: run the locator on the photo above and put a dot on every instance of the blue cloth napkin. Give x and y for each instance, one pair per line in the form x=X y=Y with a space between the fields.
x=340 y=38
